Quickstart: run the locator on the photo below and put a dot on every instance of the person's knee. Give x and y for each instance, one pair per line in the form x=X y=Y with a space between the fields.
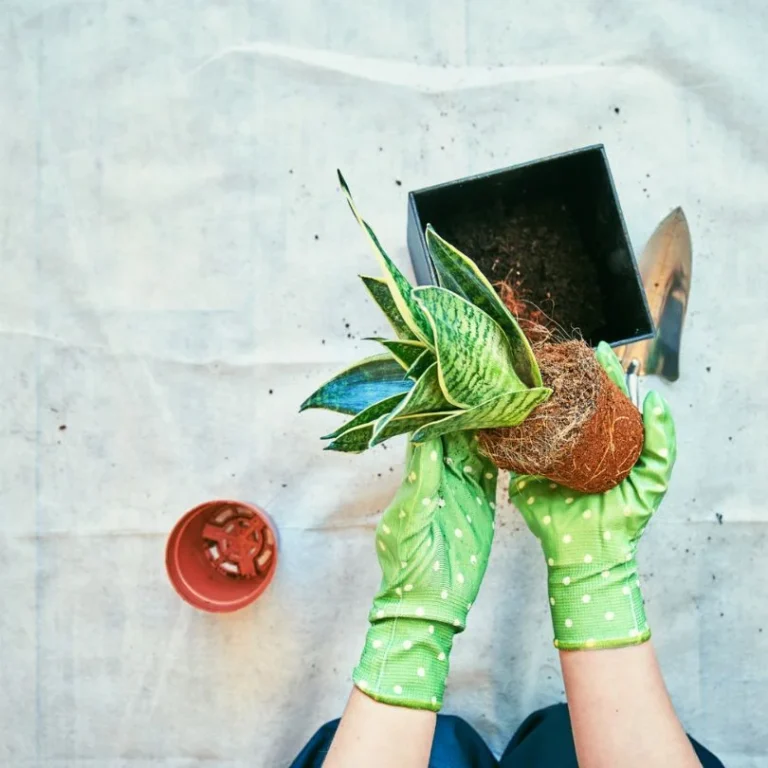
x=544 y=738
x=457 y=743
x=314 y=753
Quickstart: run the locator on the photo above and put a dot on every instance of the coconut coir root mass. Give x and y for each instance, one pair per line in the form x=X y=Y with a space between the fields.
x=587 y=436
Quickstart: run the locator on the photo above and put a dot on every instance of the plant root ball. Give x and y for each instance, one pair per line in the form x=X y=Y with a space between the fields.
x=587 y=436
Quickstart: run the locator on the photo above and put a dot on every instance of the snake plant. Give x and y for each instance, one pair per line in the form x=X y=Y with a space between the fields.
x=459 y=362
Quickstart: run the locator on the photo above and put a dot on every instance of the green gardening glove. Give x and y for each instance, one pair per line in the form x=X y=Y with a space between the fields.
x=433 y=544
x=590 y=540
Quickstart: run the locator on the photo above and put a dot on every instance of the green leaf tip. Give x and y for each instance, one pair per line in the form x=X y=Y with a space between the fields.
x=359 y=386
x=381 y=293
x=399 y=286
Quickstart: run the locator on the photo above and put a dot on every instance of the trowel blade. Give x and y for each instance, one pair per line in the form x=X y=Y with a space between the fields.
x=665 y=268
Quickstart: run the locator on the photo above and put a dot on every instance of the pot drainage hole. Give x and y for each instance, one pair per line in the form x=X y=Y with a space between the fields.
x=239 y=543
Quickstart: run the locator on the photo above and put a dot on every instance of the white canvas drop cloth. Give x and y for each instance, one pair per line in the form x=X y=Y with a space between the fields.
x=174 y=247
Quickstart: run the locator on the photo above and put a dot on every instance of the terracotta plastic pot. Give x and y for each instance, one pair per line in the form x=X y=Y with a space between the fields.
x=222 y=555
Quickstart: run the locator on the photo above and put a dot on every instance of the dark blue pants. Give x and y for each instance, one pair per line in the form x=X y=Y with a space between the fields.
x=544 y=740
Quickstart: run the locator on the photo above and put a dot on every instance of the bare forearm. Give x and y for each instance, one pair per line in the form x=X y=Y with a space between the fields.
x=380 y=736
x=620 y=710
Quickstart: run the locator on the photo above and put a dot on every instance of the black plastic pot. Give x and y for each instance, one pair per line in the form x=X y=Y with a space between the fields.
x=580 y=180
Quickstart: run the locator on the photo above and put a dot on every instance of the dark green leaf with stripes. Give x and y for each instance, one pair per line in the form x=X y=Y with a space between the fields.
x=380 y=293
x=358 y=439
x=460 y=274
x=368 y=415
x=404 y=424
x=416 y=371
x=398 y=284
x=354 y=441
x=473 y=354
x=425 y=397
x=506 y=410
x=405 y=352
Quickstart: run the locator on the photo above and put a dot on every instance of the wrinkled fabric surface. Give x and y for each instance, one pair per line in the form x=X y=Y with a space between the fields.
x=179 y=272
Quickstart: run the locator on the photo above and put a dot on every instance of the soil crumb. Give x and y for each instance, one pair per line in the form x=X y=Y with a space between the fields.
x=537 y=250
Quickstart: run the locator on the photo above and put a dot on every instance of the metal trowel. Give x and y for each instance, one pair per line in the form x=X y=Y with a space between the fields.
x=665 y=268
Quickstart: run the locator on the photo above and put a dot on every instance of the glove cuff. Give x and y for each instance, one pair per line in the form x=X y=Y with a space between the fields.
x=405 y=662
x=596 y=607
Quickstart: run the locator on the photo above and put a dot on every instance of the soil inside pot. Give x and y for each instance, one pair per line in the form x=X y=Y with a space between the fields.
x=537 y=250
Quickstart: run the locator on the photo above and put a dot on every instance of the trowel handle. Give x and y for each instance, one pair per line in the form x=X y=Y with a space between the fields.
x=633 y=382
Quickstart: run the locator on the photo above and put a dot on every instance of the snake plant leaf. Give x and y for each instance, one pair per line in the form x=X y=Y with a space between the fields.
x=354 y=441
x=399 y=286
x=368 y=415
x=460 y=275
x=405 y=352
x=422 y=362
x=425 y=397
x=403 y=424
x=358 y=439
x=361 y=385
x=473 y=354
x=506 y=410
x=381 y=294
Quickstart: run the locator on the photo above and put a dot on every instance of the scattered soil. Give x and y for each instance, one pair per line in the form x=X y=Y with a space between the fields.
x=587 y=436
x=534 y=255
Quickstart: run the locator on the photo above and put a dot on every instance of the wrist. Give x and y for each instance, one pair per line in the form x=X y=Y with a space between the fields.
x=596 y=606
x=405 y=662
